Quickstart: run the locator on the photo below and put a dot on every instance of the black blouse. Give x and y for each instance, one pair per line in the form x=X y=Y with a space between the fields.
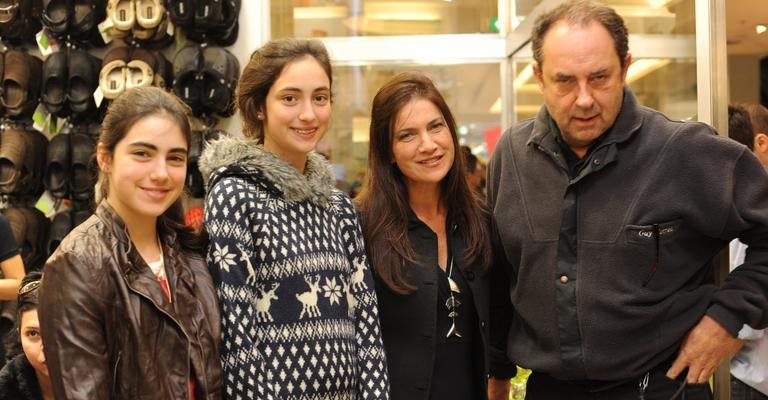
x=456 y=358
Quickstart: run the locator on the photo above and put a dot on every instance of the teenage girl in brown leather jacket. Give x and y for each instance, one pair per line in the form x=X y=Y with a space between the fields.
x=128 y=309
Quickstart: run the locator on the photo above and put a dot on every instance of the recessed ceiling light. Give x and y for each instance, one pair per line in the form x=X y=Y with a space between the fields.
x=760 y=28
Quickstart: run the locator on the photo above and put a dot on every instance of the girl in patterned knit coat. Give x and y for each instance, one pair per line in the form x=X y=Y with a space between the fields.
x=299 y=312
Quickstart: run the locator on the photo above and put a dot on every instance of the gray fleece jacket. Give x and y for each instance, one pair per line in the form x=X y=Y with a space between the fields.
x=662 y=199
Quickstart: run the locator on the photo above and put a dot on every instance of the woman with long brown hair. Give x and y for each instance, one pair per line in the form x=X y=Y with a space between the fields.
x=427 y=239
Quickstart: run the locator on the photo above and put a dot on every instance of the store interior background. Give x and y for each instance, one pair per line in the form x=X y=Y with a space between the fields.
x=477 y=53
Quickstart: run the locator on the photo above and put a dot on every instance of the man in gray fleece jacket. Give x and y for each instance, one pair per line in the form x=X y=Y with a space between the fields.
x=607 y=216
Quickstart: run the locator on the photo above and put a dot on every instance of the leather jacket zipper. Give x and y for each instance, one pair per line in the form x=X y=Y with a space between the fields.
x=114 y=374
x=178 y=324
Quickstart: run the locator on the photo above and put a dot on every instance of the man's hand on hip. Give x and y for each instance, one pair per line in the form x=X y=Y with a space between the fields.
x=703 y=349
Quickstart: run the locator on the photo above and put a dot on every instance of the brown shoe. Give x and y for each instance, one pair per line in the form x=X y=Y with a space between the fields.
x=21 y=83
x=12 y=151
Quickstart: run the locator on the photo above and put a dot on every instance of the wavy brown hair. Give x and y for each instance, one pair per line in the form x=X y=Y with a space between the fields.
x=383 y=201
x=263 y=69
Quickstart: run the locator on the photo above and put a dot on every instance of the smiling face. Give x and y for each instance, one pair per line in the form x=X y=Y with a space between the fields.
x=582 y=81
x=32 y=342
x=298 y=108
x=146 y=170
x=422 y=144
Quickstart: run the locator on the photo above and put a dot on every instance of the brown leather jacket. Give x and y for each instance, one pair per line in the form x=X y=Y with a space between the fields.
x=108 y=329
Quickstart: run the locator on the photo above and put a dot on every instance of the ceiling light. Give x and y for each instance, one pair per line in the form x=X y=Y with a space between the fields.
x=657 y=3
x=524 y=76
x=760 y=28
x=644 y=66
x=329 y=12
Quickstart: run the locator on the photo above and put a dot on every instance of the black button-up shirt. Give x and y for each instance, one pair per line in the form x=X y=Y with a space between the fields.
x=565 y=280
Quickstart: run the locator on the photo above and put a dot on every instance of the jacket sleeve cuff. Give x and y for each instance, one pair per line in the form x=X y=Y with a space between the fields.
x=728 y=320
x=500 y=367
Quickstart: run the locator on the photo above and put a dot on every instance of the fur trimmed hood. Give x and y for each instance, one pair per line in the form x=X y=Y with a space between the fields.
x=240 y=156
x=18 y=380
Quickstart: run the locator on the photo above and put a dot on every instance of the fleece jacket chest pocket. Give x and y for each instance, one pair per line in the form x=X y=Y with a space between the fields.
x=652 y=239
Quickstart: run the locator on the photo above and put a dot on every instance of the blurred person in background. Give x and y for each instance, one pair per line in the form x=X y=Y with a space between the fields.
x=748 y=125
x=25 y=377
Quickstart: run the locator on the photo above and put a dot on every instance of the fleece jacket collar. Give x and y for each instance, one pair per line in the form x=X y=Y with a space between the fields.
x=245 y=157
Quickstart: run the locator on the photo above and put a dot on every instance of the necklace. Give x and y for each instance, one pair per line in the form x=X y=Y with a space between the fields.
x=452 y=304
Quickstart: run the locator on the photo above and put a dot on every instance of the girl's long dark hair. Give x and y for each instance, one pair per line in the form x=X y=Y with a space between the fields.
x=383 y=201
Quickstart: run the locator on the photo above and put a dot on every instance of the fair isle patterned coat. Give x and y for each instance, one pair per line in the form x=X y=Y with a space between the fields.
x=299 y=310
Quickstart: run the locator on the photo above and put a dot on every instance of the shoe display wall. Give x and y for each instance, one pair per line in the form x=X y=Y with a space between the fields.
x=97 y=50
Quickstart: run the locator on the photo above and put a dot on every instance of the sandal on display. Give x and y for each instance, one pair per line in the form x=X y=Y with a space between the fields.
x=186 y=68
x=83 y=70
x=160 y=39
x=141 y=69
x=9 y=10
x=81 y=179
x=122 y=13
x=60 y=228
x=225 y=34
x=113 y=72
x=32 y=180
x=182 y=12
x=15 y=82
x=86 y=15
x=164 y=73
x=12 y=154
x=57 y=170
x=221 y=71
x=207 y=14
x=55 y=16
x=21 y=84
x=149 y=13
x=54 y=93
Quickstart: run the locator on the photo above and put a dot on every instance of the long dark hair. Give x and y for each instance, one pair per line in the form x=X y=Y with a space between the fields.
x=130 y=107
x=383 y=201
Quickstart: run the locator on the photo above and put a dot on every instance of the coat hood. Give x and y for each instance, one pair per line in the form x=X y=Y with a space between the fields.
x=244 y=157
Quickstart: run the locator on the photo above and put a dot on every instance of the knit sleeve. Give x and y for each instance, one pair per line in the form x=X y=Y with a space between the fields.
x=229 y=220
x=371 y=362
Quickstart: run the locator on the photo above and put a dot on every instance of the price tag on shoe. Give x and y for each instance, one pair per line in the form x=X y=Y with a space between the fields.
x=98 y=97
x=46 y=43
x=40 y=118
x=105 y=27
x=46 y=203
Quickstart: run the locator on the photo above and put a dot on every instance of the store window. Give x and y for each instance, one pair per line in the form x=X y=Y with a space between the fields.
x=335 y=18
x=471 y=90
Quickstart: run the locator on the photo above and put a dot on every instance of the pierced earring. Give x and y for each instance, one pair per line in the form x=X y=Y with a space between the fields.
x=260 y=116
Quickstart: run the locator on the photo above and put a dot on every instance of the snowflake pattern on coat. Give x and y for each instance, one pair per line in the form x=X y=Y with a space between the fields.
x=299 y=312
